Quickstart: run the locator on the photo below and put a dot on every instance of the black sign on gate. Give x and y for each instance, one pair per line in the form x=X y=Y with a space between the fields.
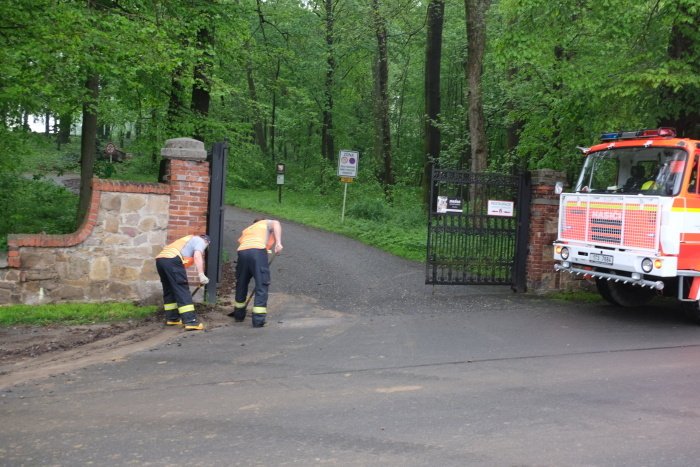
x=477 y=228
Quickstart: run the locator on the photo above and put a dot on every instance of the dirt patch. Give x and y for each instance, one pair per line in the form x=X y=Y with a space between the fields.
x=29 y=352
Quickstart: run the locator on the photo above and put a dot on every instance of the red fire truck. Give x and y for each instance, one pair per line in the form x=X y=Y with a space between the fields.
x=633 y=220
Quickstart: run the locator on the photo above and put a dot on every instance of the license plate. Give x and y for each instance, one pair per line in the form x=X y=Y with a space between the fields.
x=603 y=259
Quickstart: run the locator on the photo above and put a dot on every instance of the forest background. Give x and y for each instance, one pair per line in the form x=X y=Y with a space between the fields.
x=480 y=85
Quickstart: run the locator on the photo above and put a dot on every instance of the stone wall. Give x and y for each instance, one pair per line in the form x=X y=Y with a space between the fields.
x=111 y=256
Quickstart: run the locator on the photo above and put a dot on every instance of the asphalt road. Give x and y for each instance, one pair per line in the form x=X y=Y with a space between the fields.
x=361 y=364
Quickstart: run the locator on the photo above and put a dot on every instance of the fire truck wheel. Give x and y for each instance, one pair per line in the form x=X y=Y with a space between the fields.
x=604 y=290
x=627 y=295
x=692 y=311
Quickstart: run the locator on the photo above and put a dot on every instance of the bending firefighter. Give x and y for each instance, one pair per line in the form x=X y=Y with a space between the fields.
x=171 y=264
x=254 y=243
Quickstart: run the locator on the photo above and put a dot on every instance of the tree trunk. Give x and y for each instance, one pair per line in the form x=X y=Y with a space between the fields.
x=87 y=145
x=273 y=124
x=175 y=104
x=65 y=122
x=433 y=59
x=327 y=142
x=476 y=44
x=681 y=48
x=258 y=126
x=202 y=83
x=383 y=126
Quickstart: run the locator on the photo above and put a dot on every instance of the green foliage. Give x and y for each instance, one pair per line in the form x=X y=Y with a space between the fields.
x=556 y=73
x=37 y=206
x=72 y=313
x=368 y=209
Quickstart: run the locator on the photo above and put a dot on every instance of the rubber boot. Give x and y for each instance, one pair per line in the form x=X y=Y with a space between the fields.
x=189 y=319
x=172 y=319
x=238 y=314
x=259 y=319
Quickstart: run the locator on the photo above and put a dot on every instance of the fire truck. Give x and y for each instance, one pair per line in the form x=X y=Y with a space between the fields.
x=632 y=222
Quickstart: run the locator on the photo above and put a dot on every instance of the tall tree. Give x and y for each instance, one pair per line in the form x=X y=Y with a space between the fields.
x=476 y=44
x=327 y=140
x=680 y=97
x=382 y=123
x=433 y=60
x=88 y=143
x=202 y=79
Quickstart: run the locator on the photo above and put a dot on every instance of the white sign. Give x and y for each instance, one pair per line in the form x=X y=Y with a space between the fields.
x=501 y=208
x=347 y=163
x=280 y=179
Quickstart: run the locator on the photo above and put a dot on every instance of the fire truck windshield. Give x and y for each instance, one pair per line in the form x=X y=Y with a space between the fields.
x=652 y=171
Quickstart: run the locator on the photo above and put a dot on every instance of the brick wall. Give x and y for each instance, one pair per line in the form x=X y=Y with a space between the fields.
x=544 y=216
x=111 y=256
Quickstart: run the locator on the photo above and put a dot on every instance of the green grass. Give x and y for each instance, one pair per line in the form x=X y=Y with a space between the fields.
x=72 y=313
x=399 y=229
x=581 y=296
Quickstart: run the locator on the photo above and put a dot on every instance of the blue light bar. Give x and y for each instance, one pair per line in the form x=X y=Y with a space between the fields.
x=610 y=136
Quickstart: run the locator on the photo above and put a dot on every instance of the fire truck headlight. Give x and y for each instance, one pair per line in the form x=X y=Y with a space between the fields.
x=647 y=265
x=564 y=253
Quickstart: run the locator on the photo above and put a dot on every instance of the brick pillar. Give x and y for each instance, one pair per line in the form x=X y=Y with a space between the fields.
x=544 y=214
x=187 y=173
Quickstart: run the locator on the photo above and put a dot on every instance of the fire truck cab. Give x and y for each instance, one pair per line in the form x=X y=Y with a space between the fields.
x=633 y=220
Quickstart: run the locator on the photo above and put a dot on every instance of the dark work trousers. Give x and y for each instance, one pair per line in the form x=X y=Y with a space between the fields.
x=252 y=264
x=173 y=276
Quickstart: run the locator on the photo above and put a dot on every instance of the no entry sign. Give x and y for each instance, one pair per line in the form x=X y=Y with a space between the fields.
x=347 y=163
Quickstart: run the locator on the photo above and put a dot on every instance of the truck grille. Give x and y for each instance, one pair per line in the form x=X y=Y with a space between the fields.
x=610 y=220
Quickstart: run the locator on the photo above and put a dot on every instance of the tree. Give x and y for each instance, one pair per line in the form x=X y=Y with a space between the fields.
x=327 y=140
x=433 y=58
x=383 y=127
x=680 y=93
x=476 y=44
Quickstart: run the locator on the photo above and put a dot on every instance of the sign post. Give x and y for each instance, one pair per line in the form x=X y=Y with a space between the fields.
x=109 y=149
x=347 y=171
x=280 y=181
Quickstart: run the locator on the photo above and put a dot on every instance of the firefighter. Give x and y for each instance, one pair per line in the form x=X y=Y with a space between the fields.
x=171 y=264
x=254 y=243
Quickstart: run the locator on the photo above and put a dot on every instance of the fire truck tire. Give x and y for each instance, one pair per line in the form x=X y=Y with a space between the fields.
x=626 y=295
x=692 y=311
x=604 y=291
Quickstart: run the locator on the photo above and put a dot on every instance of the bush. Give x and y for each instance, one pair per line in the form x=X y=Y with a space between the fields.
x=35 y=206
x=372 y=209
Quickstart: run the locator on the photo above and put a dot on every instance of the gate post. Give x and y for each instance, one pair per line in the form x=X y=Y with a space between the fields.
x=217 y=194
x=544 y=216
x=187 y=173
x=188 y=176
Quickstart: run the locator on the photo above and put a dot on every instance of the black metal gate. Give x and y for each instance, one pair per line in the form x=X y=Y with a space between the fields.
x=478 y=228
x=215 y=222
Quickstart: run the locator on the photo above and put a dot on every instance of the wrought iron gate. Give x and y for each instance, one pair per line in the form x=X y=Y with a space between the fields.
x=478 y=228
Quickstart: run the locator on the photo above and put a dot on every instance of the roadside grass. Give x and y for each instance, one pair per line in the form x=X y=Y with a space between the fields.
x=400 y=229
x=581 y=296
x=72 y=313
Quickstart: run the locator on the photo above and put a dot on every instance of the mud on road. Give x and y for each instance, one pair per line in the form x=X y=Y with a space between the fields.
x=31 y=352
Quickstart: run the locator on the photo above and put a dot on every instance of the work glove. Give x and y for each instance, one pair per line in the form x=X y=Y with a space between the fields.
x=204 y=280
